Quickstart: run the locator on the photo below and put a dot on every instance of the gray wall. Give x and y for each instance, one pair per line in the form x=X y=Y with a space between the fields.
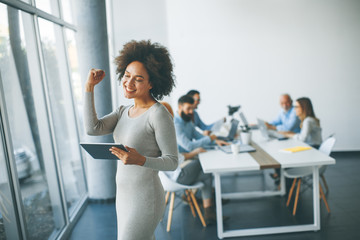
x=93 y=52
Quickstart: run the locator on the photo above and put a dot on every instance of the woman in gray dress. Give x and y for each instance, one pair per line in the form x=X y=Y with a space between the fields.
x=145 y=128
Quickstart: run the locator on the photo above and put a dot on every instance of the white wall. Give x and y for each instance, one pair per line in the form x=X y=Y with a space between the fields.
x=248 y=52
x=134 y=20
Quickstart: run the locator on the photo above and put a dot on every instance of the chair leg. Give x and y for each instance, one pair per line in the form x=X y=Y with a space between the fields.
x=197 y=209
x=170 y=211
x=291 y=192
x=325 y=183
x=297 y=196
x=167 y=197
x=190 y=203
x=322 y=195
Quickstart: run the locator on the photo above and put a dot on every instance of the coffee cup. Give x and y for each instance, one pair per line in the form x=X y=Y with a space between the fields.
x=235 y=148
x=245 y=137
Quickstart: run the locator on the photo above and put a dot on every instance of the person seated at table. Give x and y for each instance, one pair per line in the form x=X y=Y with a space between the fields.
x=310 y=132
x=287 y=119
x=188 y=138
x=189 y=172
x=195 y=94
x=310 y=125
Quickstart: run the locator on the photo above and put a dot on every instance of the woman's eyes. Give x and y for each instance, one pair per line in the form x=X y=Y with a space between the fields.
x=136 y=79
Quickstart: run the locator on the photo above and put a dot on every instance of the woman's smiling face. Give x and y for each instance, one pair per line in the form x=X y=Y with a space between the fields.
x=135 y=81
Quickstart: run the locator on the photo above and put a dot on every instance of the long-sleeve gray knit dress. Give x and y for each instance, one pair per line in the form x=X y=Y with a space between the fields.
x=140 y=196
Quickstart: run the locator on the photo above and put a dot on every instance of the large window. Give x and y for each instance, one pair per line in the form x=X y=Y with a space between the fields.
x=40 y=158
x=39 y=191
x=62 y=111
x=49 y=6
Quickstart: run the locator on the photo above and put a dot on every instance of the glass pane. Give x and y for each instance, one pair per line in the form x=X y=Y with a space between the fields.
x=5 y=201
x=62 y=109
x=49 y=6
x=77 y=86
x=6 y=216
x=67 y=10
x=42 y=214
x=8 y=227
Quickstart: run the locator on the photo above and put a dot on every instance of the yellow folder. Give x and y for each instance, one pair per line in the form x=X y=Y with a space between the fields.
x=295 y=149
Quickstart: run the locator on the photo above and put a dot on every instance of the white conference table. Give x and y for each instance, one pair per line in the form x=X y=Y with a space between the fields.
x=217 y=162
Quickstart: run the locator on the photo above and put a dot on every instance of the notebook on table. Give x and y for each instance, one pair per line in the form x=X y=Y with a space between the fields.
x=295 y=149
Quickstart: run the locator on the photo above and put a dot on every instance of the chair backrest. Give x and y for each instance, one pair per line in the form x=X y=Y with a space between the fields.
x=172 y=186
x=327 y=146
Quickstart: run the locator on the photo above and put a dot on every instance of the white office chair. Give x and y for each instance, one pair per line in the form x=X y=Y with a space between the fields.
x=298 y=173
x=171 y=186
x=326 y=148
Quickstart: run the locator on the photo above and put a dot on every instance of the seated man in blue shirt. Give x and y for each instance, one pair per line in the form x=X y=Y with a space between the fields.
x=287 y=119
x=188 y=138
x=196 y=119
x=191 y=142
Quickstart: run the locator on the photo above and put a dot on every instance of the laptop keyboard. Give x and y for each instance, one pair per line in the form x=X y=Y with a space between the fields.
x=275 y=134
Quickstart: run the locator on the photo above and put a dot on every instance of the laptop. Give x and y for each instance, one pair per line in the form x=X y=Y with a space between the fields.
x=243 y=148
x=232 y=132
x=269 y=133
x=245 y=122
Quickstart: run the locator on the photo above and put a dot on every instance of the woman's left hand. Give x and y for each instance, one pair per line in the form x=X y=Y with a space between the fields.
x=130 y=157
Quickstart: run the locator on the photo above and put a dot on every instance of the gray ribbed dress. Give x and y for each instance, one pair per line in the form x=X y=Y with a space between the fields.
x=140 y=196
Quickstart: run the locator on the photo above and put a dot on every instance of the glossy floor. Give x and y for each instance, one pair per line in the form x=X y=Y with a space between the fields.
x=99 y=220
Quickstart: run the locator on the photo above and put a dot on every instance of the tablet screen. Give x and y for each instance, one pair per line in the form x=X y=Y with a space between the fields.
x=101 y=150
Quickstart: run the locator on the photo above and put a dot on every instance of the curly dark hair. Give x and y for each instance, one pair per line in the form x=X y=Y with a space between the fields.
x=156 y=60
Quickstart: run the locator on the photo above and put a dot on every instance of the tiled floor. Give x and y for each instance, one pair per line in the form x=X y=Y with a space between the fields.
x=99 y=220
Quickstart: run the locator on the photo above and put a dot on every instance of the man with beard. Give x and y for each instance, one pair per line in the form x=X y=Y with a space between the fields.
x=188 y=138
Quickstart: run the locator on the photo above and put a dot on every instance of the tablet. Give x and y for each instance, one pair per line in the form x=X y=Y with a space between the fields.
x=101 y=150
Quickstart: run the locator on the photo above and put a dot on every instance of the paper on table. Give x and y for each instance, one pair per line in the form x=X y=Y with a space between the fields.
x=295 y=149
